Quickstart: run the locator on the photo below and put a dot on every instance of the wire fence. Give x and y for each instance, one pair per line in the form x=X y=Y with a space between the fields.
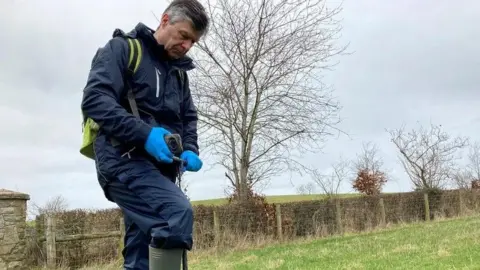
x=77 y=238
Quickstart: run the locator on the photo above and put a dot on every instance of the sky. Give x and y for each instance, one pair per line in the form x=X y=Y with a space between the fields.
x=412 y=61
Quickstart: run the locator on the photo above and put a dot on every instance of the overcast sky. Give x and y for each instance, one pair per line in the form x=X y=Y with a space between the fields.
x=413 y=61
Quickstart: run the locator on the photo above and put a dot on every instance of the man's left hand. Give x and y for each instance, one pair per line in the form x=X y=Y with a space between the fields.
x=192 y=160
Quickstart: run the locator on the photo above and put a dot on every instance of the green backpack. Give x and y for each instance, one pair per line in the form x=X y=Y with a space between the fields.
x=89 y=127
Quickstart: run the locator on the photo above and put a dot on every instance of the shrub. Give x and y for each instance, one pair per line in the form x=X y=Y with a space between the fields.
x=369 y=182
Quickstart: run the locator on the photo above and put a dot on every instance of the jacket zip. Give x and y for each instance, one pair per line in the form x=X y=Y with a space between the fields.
x=157 y=73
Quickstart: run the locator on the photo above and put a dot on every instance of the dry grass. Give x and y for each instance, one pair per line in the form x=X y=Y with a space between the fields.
x=238 y=231
x=105 y=266
x=443 y=244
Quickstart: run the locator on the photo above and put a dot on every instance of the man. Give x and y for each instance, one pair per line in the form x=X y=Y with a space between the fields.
x=138 y=173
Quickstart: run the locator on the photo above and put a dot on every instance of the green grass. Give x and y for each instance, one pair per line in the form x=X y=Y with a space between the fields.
x=452 y=244
x=274 y=199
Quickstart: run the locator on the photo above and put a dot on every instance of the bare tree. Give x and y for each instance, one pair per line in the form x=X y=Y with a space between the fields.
x=428 y=155
x=54 y=205
x=474 y=161
x=257 y=85
x=463 y=177
x=368 y=158
x=330 y=183
x=306 y=189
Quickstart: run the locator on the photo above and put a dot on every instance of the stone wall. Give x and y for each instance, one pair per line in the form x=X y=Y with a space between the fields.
x=13 y=211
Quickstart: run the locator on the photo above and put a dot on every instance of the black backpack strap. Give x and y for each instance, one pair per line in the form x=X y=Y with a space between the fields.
x=181 y=74
x=135 y=56
x=134 y=59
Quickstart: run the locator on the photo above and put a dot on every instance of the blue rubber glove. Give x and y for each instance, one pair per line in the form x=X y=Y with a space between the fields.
x=156 y=145
x=193 y=162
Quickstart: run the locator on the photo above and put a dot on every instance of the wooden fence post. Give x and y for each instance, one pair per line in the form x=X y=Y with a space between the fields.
x=338 y=217
x=50 y=242
x=278 y=214
x=383 y=216
x=121 y=240
x=461 y=208
x=427 y=207
x=216 y=227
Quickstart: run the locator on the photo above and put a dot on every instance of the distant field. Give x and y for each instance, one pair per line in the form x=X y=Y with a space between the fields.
x=453 y=244
x=275 y=199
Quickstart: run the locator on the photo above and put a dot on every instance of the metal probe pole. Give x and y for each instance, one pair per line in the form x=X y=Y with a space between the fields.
x=180 y=167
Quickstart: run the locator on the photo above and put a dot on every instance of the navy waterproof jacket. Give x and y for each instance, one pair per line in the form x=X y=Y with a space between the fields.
x=160 y=98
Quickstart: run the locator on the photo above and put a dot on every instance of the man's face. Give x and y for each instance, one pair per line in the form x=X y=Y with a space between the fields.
x=177 y=38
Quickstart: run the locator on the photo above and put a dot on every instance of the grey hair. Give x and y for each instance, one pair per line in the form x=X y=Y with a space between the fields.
x=191 y=11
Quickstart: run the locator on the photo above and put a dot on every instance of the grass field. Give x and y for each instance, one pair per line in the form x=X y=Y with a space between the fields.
x=275 y=199
x=452 y=244
x=448 y=244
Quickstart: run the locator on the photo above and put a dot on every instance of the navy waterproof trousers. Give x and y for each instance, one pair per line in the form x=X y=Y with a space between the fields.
x=155 y=210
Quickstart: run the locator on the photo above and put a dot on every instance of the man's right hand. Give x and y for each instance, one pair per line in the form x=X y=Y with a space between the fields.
x=157 y=147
